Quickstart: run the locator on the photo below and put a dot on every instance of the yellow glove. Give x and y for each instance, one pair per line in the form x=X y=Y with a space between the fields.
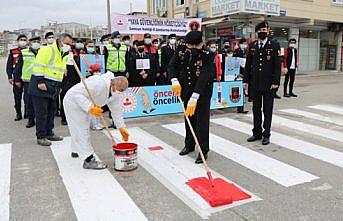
x=124 y=133
x=191 y=105
x=95 y=111
x=176 y=87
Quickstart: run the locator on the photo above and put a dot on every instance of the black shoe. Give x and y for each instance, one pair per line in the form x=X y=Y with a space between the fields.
x=293 y=95
x=265 y=141
x=286 y=95
x=242 y=112
x=254 y=138
x=199 y=160
x=30 y=123
x=74 y=155
x=185 y=151
x=54 y=138
x=18 y=117
x=276 y=96
x=64 y=122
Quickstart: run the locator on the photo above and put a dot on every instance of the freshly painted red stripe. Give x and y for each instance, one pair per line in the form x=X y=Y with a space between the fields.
x=155 y=148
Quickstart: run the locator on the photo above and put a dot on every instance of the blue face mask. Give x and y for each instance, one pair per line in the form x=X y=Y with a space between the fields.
x=90 y=50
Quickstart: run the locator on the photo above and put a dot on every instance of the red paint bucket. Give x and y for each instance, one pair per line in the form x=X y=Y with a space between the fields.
x=125 y=156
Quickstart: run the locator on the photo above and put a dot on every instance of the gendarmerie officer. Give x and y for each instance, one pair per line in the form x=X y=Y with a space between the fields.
x=192 y=78
x=262 y=71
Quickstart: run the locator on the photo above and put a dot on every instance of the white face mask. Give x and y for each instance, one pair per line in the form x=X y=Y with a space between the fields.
x=244 y=46
x=22 y=43
x=36 y=46
x=156 y=45
x=50 y=41
x=127 y=43
x=147 y=41
x=213 y=49
x=66 y=48
x=172 y=41
x=292 y=45
x=79 y=46
x=116 y=41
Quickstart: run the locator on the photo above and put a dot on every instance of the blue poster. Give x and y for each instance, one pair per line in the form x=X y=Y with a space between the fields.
x=232 y=68
x=158 y=100
x=87 y=60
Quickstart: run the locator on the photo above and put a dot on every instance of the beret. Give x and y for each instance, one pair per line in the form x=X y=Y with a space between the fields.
x=35 y=38
x=193 y=37
x=171 y=36
x=260 y=25
x=115 y=34
x=48 y=34
x=21 y=36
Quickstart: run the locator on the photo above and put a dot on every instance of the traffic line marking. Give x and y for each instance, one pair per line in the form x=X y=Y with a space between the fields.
x=94 y=194
x=173 y=171
x=313 y=150
x=5 y=181
x=275 y=170
x=328 y=108
x=314 y=116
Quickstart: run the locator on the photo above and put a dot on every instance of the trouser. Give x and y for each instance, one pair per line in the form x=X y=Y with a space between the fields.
x=78 y=124
x=200 y=121
x=30 y=112
x=265 y=99
x=18 y=94
x=290 y=76
x=45 y=110
x=162 y=80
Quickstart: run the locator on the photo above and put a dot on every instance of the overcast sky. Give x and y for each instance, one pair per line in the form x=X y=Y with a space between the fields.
x=15 y=14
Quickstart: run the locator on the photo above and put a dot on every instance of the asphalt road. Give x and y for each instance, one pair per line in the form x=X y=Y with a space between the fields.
x=38 y=191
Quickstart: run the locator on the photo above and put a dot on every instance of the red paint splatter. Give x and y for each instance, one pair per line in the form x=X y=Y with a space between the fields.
x=155 y=148
x=221 y=194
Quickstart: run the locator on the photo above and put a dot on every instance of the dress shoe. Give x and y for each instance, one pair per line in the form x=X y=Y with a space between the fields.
x=54 y=138
x=265 y=141
x=185 y=151
x=18 y=117
x=44 y=142
x=286 y=95
x=64 y=122
x=293 y=95
x=74 y=155
x=276 y=96
x=30 y=123
x=254 y=138
x=199 y=160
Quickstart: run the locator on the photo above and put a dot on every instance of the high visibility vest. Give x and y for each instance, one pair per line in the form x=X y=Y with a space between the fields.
x=49 y=63
x=116 y=58
x=28 y=62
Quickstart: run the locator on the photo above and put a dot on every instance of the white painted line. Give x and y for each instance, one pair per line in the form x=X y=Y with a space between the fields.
x=94 y=194
x=173 y=171
x=275 y=170
x=311 y=129
x=329 y=108
x=5 y=181
x=314 y=116
x=318 y=152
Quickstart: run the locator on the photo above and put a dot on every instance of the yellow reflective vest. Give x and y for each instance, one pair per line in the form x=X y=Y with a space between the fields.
x=116 y=58
x=28 y=62
x=49 y=63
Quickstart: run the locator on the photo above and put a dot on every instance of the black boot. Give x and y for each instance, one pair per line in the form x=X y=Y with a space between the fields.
x=18 y=116
x=254 y=138
x=292 y=94
x=185 y=151
x=30 y=123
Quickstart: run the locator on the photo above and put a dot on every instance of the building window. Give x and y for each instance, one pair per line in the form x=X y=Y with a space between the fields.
x=179 y=2
x=337 y=2
x=159 y=5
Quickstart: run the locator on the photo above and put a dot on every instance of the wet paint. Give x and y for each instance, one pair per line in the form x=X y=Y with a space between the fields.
x=125 y=156
x=155 y=148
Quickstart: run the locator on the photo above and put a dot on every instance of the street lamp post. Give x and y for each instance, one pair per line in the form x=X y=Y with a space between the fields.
x=108 y=16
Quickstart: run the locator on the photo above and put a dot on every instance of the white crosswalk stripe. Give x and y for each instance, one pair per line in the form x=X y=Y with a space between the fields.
x=5 y=179
x=328 y=108
x=173 y=171
x=318 y=152
x=275 y=170
x=95 y=195
x=314 y=116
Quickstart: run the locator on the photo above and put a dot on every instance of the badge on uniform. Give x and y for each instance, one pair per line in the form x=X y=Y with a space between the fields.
x=268 y=58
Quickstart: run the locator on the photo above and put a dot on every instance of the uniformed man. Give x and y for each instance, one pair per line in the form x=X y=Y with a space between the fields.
x=104 y=40
x=167 y=52
x=48 y=70
x=152 y=52
x=262 y=71
x=192 y=78
x=11 y=64
x=23 y=73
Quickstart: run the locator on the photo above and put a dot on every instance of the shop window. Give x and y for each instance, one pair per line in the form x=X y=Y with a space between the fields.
x=179 y=2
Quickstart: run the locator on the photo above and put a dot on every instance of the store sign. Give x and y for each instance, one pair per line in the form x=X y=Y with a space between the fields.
x=128 y=24
x=227 y=7
x=225 y=31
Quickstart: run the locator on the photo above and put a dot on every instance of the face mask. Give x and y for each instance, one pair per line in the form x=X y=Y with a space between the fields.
x=243 y=46
x=262 y=35
x=172 y=41
x=36 y=46
x=226 y=46
x=116 y=41
x=147 y=41
x=127 y=43
x=50 y=41
x=66 y=48
x=22 y=43
x=79 y=46
x=156 y=45
x=292 y=45
x=90 y=50
x=140 y=50
x=105 y=42
x=213 y=49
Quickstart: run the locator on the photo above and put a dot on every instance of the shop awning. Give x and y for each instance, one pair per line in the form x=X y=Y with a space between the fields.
x=213 y=21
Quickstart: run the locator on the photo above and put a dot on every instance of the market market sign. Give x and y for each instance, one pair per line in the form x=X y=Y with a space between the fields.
x=228 y=7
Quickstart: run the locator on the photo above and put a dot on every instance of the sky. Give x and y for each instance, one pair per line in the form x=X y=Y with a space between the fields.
x=15 y=14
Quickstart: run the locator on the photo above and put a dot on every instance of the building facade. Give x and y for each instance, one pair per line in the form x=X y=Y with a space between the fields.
x=316 y=24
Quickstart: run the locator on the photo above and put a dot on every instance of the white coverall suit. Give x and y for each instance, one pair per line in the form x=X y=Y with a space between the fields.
x=77 y=104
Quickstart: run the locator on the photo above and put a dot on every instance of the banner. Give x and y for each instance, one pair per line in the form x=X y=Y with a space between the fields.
x=227 y=7
x=158 y=100
x=87 y=60
x=128 y=24
x=232 y=67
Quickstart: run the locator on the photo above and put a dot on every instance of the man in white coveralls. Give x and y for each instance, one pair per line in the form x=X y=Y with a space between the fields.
x=78 y=108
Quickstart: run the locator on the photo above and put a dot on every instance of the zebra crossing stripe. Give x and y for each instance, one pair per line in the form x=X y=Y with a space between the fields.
x=275 y=170
x=314 y=116
x=173 y=171
x=328 y=108
x=95 y=195
x=318 y=152
x=5 y=181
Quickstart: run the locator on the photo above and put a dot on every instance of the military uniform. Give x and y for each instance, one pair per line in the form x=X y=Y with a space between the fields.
x=195 y=74
x=262 y=70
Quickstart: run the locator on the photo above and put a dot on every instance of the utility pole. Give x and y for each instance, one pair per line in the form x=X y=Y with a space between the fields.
x=109 y=17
